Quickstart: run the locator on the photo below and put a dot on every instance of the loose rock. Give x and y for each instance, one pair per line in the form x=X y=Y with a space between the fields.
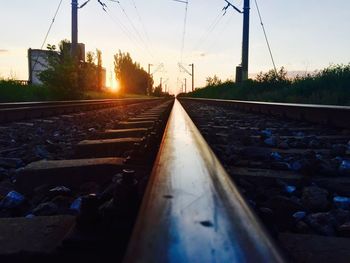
x=315 y=198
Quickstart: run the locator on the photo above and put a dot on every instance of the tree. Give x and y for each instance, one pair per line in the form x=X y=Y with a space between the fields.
x=99 y=69
x=132 y=77
x=90 y=57
x=158 y=91
x=213 y=81
x=68 y=77
x=272 y=76
x=88 y=74
x=62 y=75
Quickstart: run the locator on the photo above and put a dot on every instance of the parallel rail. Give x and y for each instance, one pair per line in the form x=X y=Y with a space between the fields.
x=337 y=116
x=48 y=103
x=88 y=233
x=192 y=211
x=22 y=110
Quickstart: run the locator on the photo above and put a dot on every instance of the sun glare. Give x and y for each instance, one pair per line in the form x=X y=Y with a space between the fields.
x=114 y=86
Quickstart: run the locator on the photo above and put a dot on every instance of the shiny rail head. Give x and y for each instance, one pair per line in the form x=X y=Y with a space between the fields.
x=20 y=111
x=268 y=103
x=6 y=105
x=328 y=115
x=192 y=212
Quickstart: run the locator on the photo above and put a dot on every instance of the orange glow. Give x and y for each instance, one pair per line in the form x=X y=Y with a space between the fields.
x=114 y=86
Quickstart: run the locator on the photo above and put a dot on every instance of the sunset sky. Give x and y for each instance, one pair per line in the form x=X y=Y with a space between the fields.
x=304 y=35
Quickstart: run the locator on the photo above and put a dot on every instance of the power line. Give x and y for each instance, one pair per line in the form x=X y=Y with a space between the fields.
x=48 y=32
x=208 y=31
x=124 y=28
x=183 y=35
x=115 y=19
x=135 y=29
x=267 y=41
x=214 y=39
x=184 y=29
x=52 y=22
x=126 y=32
x=140 y=20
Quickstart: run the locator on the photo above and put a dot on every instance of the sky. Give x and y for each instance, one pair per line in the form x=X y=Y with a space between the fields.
x=304 y=35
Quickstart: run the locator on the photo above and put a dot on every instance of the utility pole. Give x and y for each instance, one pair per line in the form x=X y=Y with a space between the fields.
x=192 y=65
x=182 y=68
x=161 y=84
x=149 y=79
x=185 y=85
x=74 y=28
x=242 y=69
x=245 y=45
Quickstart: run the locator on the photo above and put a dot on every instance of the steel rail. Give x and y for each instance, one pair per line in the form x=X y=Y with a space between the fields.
x=192 y=211
x=20 y=111
x=7 y=105
x=337 y=116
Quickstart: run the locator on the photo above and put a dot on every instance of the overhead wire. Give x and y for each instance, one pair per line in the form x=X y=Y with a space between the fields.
x=48 y=32
x=126 y=32
x=144 y=29
x=266 y=39
x=135 y=29
x=208 y=31
x=133 y=35
x=180 y=73
x=213 y=42
x=114 y=19
x=140 y=20
x=52 y=22
x=130 y=35
x=184 y=31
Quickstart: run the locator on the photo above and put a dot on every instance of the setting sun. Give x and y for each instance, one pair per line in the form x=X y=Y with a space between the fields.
x=113 y=84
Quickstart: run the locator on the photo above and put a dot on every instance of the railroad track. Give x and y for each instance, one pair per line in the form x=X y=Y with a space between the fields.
x=188 y=204
x=84 y=206
x=292 y=164
x=10 y=112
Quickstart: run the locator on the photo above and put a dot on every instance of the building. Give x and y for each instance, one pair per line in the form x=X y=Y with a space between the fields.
x=37 y=63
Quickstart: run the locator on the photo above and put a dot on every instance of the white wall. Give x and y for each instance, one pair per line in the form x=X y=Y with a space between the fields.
x=37 y=62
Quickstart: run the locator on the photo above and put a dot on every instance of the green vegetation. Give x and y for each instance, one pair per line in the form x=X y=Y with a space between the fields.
x=132 y=77
x=329 y=86
x=68 y=78
x=12 y=91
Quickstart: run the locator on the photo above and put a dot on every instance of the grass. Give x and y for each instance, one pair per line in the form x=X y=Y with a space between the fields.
x=330 y=86
x=12 y=91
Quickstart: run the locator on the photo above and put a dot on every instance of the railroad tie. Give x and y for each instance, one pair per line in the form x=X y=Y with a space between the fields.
x=69 y=173
x=106 y=147
x=122 y=133
x=38 y=235
x=135 y=124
